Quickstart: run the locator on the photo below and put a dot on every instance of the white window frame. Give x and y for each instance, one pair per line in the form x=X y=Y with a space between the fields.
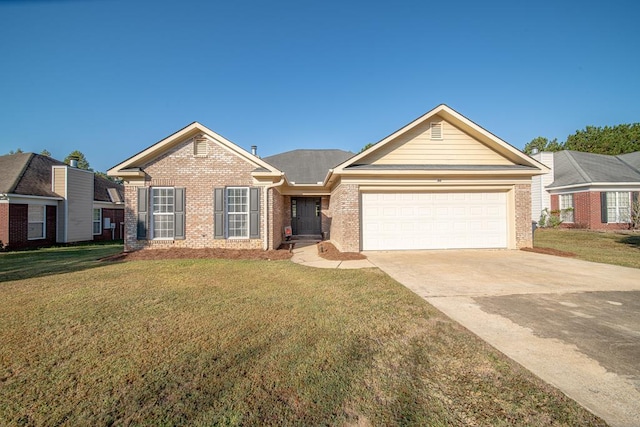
x=617 y=212
x=565 y=201
x=43 y=209
x=233 y=213
x=97 y=221
x=158 y=213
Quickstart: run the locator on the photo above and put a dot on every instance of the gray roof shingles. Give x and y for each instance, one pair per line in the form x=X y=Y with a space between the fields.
x=308 y=166
x=575 y=168
x=29 y=174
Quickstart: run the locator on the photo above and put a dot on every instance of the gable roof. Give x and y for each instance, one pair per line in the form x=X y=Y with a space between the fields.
x=105 y=190
x=308 y=166
x=131 y=166
x=27 y=174
x=575 y=168
x=520 y=160
x=632 y=159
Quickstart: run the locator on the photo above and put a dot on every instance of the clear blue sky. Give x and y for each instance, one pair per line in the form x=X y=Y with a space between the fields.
x=112 y=77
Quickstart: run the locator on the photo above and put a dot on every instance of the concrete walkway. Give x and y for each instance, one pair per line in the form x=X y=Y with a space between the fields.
x=306 y=253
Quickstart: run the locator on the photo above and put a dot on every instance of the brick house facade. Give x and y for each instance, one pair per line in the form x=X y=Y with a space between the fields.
x=197 y=189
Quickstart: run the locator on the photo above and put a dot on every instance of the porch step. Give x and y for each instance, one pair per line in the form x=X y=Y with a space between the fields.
x=307 y=237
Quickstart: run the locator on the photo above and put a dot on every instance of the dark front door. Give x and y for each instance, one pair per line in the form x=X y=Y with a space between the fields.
x=305 y=215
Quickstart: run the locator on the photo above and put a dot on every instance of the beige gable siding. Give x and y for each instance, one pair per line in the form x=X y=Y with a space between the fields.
x=416 y=147
x=79 y=205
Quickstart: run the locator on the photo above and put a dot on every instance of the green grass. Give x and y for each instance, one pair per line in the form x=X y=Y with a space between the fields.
x=47 y=261
x=219 y=342
x=609 y=248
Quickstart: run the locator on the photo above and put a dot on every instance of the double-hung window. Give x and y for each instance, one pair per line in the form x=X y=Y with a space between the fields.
x=238 y=212
x=36 y=218
x=161 y=213
x=162 y=209
x=97 y=221
x=566 y=207
x=618 y=206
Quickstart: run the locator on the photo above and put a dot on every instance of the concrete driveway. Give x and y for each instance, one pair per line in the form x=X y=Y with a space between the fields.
x=575 y=324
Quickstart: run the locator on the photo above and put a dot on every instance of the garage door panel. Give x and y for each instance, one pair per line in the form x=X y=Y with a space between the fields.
x=394 y=221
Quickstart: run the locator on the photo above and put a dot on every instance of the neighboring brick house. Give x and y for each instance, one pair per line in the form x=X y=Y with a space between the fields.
x=591 y=191
x=439 y=182
x=44 y=201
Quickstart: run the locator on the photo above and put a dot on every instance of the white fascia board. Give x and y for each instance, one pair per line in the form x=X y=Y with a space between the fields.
x=598 y=186
x=22 y=198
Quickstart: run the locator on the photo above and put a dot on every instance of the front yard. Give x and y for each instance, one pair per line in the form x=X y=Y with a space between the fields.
x=232 y=342
x=608 y=248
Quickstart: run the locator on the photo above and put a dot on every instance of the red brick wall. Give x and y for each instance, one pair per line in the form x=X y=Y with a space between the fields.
x=4 y=225
x=19 y=227
x=586 y=212
x=199 y=176
x=344 y=211
x=116 y=216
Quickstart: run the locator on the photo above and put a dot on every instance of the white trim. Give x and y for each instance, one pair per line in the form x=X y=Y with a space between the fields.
x=44 y=222
x=93 y=221
x=247 y=213
x=152 y=213
x=602 y=186
x=18 y=198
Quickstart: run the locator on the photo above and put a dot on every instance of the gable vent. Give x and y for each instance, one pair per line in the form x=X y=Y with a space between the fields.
x=114 y=195
x=200 y=147
x=436 y=130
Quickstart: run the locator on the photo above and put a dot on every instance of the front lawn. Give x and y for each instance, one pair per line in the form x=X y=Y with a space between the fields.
x=229 y=342
x=609 y=248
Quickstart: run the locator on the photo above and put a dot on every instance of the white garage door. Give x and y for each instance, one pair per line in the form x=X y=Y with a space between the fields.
x=434 y=220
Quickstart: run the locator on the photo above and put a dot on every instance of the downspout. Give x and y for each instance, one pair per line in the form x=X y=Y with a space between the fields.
x=265 y=213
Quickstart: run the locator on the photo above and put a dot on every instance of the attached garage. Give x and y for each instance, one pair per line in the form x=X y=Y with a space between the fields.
x=434 y=220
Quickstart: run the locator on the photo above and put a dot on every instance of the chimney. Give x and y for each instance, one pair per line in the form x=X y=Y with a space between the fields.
x=254 y=150
x=534 y=151
x=73 y=162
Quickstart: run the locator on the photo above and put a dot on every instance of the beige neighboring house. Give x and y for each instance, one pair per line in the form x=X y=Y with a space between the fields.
x=44 y=201
x=439 y=182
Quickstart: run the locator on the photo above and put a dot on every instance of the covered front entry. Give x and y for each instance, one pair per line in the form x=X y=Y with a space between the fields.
x=435 y=220
x=305 y=215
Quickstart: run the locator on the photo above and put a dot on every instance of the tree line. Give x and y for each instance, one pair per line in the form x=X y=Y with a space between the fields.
x=612 y=140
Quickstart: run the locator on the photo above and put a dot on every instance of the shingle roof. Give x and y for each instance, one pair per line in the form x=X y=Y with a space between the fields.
x=575 y=168
x=632 y=159
x=308 y=166
x=29 y=174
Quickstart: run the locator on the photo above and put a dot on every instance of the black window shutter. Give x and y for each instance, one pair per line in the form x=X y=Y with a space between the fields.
x=603 y=208
x=179 y=223
x=143 y=213
x=254 y=213
x=218 y=213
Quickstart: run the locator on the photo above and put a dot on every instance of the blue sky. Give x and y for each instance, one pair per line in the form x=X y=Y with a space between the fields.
x=111 y=77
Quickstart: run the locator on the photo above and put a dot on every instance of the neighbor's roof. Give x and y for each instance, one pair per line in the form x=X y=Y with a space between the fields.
x=632 y=159
x=571 y=168
x=29 y=174
x=308 y=166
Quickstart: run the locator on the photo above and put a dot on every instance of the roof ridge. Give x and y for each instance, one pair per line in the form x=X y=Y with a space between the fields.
x=22 y=172
x=577 y=166
x=627 y=164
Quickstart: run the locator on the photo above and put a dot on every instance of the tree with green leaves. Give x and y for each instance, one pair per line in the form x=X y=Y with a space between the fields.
x=542 y=144
x=18 y=151
x=366 y=147
x=82 y=160
x=45 y=152
x=612 y=140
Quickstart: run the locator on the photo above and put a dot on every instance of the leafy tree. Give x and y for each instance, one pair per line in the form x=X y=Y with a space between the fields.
x=542 y=144
x=45 y=152
x=110 y=178
x=366 y=147
x=612 y=140
x=18 y=151
x=82 y=160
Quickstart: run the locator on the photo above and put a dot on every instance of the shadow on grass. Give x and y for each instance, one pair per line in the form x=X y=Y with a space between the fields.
x=631 y=241
x=47 y=261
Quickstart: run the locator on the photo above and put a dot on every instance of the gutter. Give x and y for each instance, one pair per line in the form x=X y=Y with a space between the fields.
x=265 y=213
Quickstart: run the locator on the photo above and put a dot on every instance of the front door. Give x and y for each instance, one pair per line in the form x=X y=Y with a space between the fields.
x=305 y=215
